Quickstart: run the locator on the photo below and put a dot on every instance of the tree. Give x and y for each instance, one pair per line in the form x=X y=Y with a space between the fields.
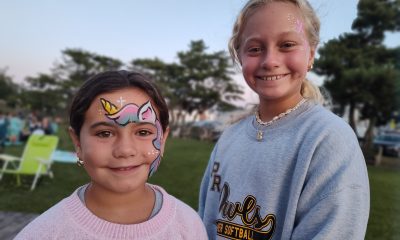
x=198 y=82
x=43 y=95
x=78 y=65
x=361 y=71
x=51 y=93
x=8 y=89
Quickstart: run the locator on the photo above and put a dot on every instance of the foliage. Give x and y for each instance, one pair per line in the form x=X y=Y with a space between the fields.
x=51 y=93
x=198 y=82
x=361 y=72
x=8 y=89
x=43 y=95
x=78 y=65
x=375 y=17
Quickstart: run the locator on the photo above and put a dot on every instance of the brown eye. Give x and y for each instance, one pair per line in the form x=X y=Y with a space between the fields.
x=104 y=134
x=288 y=45
x=254 y=50
x=143 y=132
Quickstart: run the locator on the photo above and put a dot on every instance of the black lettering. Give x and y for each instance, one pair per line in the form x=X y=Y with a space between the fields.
x=249 y=212
x=216 y=178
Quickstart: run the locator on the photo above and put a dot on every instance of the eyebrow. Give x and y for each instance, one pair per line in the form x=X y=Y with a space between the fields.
x=112 y=124
x=257 y=37
x=105 y=124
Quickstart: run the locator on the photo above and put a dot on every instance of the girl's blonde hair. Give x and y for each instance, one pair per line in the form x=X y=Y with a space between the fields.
x=312 y=26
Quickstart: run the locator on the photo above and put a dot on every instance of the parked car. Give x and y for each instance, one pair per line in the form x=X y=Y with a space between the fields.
x=206 y=130
x=390 y=143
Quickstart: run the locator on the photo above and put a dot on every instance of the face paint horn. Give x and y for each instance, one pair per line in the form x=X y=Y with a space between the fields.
x=147 y=113
x=108 y=106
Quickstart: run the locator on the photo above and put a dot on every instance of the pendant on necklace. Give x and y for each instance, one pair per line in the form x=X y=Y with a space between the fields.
x=259 y=135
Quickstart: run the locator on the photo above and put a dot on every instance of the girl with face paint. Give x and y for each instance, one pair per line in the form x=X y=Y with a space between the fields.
x=291 y=170
x=119 y=125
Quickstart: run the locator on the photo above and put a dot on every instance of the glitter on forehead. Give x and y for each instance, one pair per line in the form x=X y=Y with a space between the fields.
x=298 y=25
x=121 y=101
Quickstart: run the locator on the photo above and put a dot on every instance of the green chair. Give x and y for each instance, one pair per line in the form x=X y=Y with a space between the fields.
x=36 y=159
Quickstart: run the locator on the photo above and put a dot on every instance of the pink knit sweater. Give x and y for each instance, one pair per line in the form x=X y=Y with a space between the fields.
x=70 y=219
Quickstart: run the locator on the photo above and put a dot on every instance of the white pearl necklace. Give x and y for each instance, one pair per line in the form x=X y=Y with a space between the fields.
x=274 y=119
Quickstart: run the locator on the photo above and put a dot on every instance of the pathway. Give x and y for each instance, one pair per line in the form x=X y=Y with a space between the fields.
x=12 y=222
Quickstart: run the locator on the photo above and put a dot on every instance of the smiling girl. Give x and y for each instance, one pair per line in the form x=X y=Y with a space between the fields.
x=293 y=170
x=119 y=125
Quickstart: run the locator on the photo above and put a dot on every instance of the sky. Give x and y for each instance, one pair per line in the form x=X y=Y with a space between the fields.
x=33 y=33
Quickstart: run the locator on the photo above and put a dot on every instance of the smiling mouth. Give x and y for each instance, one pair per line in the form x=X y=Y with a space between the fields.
x=123 y=169
x=272 y=78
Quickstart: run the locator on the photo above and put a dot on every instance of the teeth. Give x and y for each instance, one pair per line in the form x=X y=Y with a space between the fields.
x=124 y=168
x=271 y=78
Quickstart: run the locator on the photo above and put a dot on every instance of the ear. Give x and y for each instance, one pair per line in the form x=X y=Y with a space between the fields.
x=75 y=140
x=311 y=58
x=164 y=140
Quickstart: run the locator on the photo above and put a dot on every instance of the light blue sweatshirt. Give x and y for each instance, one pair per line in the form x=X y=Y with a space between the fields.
x=306 y=179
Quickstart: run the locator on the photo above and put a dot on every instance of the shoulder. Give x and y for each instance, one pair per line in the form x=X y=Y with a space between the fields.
x=232 y=129
x=324 y=123
x=186 y=221
x=189 y=222
x=47 y=225
x=330 y=143
x=336 y=159
x=182 y=210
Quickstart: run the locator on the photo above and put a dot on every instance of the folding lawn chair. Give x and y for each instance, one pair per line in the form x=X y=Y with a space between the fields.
x=36 y=159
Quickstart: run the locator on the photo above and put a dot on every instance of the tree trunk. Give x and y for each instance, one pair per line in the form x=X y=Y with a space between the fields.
x=173 y=119
x=352 y=121
x=369 y=134
x=196 y=115
x=367 y=146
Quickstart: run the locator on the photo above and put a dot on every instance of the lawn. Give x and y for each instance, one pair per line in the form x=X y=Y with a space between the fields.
x=180 y=174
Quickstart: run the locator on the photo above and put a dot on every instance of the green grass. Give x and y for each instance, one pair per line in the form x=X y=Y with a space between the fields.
x=180 y=174
x=384 y=221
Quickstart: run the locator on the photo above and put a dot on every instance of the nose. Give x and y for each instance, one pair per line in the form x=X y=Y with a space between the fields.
x=124 y=147
x=270 y=59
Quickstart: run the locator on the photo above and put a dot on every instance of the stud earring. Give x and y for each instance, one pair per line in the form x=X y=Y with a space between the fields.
x=310 y=67
x=79 y=162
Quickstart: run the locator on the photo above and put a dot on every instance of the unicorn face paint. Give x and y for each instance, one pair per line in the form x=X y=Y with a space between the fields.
x=122 y=146
x=131 y=113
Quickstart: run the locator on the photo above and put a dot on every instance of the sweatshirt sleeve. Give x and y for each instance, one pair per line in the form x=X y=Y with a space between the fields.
x=335 y=200
x=204 y=185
